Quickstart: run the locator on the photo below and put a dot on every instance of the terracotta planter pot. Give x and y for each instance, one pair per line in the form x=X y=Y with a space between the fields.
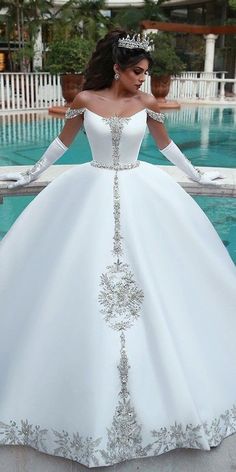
x=160 y=87
x=71 y=84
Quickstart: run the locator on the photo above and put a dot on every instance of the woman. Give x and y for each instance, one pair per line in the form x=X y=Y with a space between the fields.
x=117 y=295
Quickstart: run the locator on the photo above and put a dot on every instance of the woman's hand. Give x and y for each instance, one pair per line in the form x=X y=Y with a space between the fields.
x=207 y=178
x=55 y=150
x=20 y=178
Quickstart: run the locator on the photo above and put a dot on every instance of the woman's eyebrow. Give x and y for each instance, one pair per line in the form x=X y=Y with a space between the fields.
x=141 y=68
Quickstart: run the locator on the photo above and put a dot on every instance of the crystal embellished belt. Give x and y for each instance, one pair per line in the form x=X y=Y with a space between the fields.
x=131 y=165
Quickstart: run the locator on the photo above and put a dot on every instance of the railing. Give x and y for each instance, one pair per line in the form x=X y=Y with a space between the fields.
x=28 y=91
x=200 y=85
x=35 y=91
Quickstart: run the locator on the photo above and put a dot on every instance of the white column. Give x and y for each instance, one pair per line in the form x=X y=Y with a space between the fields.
x=150 y=30
x=210 y=52
x=38 y=50
x=234 y=86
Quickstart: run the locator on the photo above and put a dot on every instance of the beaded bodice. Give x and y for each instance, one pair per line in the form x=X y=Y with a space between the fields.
x=115 y=141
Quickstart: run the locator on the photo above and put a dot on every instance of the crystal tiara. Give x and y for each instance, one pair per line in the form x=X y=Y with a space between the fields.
x=134 y=43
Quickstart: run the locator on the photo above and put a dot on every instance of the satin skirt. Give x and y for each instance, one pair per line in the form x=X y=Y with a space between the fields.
x=72 y=384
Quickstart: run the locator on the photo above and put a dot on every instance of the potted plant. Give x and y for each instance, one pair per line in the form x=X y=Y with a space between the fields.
x=69 y=58
x=166 y=63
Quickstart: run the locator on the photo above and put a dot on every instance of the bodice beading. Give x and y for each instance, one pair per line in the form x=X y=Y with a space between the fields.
x=116 y=159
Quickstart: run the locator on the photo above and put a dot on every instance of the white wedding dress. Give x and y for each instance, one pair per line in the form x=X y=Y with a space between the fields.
x=117 y=312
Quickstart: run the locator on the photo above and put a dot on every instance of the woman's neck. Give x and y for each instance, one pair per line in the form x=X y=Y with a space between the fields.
x=115 y=92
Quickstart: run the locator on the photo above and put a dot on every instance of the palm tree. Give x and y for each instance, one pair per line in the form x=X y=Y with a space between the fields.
x=23 y=19
x=8 y=21
x=80 y=17
x=131 y=17
x=232 y=4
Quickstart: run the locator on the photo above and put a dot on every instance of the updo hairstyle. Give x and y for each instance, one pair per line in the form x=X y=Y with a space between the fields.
x=99 y=72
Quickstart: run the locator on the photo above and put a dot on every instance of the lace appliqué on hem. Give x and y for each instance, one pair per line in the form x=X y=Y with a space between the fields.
x=86 y=450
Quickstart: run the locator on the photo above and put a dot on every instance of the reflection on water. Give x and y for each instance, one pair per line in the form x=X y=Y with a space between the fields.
x=25 y=137
x=222 y=213
x=189 y=114
x=209 y=120
x=28 y=128
x=205 y=134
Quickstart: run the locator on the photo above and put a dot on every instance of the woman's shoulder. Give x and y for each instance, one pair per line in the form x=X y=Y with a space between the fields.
x=85 y=98
x=152 y=107
x=149 y=102
x=80 y=100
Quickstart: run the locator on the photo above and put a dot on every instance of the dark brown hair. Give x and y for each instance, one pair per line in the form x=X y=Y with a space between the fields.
x=99 y=72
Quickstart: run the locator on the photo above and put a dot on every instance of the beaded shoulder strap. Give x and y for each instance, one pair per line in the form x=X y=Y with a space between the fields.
x=156 y=116
x=73 y=112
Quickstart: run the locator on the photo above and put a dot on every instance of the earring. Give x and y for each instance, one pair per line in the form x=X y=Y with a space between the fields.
x=116 y=76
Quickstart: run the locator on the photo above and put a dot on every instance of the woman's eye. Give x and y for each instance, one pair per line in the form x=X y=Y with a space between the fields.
x=138 y=72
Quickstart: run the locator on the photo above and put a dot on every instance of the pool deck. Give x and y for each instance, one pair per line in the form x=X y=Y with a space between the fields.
x=226 y=187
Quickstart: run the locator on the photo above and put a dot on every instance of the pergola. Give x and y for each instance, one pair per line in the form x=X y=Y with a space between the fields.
x=210 y=34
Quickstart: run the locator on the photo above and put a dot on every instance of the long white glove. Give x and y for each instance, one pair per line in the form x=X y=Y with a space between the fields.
x=173 y=154
x=54 y=151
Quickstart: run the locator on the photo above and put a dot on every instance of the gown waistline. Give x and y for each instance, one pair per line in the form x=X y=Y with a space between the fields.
x=101 y=165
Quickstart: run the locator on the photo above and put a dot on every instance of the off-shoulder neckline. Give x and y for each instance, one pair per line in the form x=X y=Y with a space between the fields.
x=72 y=112
x=115 y=116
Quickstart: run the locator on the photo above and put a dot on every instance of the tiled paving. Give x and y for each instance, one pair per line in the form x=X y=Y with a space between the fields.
x=219 y=459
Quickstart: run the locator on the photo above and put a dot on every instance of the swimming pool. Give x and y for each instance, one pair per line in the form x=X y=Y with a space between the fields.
x=205 y=134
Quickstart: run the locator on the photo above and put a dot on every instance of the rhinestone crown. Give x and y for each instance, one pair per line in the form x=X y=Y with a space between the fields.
x=135 y=42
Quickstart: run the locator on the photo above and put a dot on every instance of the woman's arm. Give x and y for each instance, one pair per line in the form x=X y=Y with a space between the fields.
x=155 y=121
x=169 y=149
x=54 y=151
x=73 y=120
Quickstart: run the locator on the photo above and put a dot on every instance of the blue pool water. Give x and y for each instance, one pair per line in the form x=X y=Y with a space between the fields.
x=205 y=134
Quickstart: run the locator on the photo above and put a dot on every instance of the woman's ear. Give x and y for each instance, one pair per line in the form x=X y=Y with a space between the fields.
x=116 y=68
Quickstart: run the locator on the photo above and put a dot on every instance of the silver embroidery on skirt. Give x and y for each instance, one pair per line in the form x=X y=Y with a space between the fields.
x=86 y=450
x=121 y=301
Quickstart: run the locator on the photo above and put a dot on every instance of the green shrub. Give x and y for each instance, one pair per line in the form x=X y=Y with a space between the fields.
x=68 y=56
x=165 y=59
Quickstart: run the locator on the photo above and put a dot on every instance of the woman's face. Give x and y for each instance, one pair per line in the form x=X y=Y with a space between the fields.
x=133 y=76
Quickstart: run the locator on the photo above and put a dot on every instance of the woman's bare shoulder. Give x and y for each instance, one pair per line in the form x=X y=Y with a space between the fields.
x=81 y=99
x=149 y=101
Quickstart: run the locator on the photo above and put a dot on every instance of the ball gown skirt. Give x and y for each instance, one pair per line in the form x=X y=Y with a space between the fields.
x=117 y=312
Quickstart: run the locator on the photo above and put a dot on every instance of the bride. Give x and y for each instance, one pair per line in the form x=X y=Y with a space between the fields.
x=117 y=296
